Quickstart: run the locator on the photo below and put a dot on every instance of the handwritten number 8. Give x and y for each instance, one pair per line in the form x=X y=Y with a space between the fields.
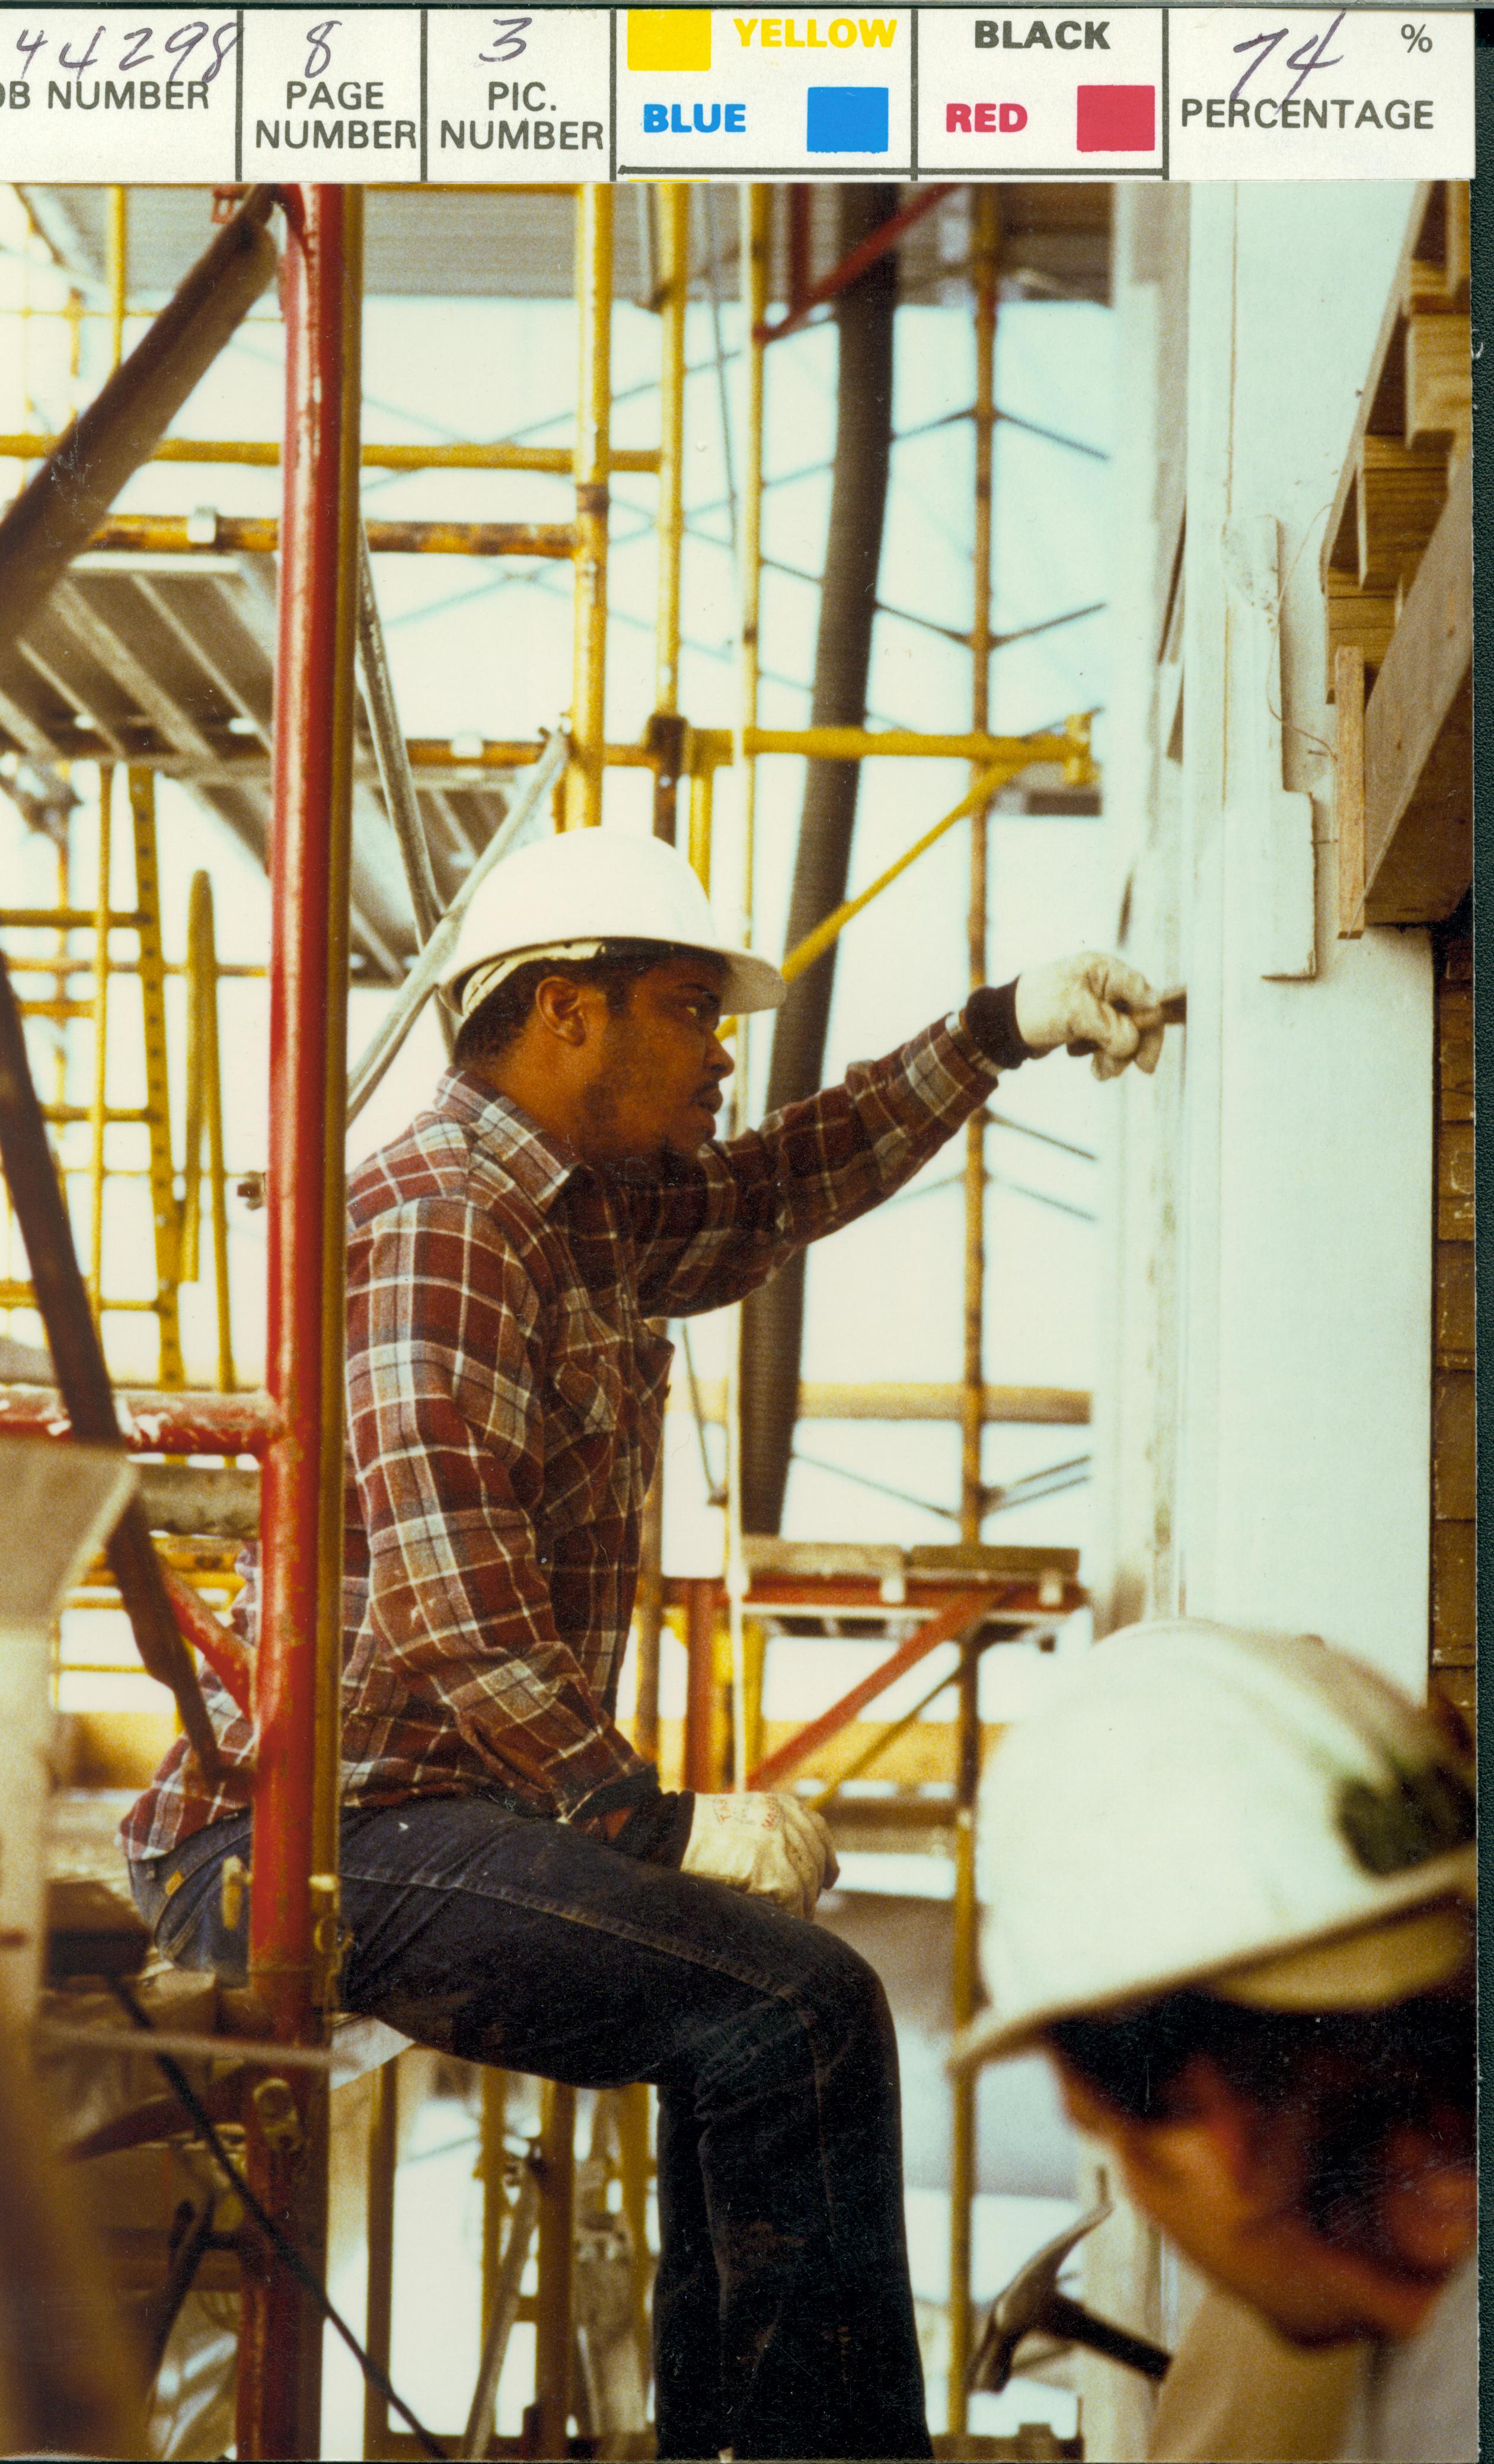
x=509 y=32
x=223 y=39
x=318 y=36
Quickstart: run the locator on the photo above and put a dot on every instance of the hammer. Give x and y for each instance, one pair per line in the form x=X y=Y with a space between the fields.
x=1032 y=2304
x=1171 y=1009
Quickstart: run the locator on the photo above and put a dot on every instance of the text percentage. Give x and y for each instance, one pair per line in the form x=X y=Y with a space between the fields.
x=1415 y=38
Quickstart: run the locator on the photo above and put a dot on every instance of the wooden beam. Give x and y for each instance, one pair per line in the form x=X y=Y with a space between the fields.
x=1418 y=735
x=1380 y=412
x=1414 y=424
x=1365 y=619
x=1457 y=250
x=766 y=1554
x=1439 y=383
x=901 y=1400
x=1349 y=789
x=1424 y=286
x=1397 y=497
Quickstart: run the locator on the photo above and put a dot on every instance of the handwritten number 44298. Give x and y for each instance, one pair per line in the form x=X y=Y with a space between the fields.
x=1307 y=56
x=137 y=53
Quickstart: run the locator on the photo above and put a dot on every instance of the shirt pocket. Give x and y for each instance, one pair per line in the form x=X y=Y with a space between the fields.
x=583 y=1436
x=589 y=1384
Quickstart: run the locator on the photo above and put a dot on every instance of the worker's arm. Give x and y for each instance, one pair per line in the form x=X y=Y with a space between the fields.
x=445 y=1376
x=739 y=1210
x=730 y=1217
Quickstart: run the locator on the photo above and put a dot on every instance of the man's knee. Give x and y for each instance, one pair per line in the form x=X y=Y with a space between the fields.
x=844 y=1997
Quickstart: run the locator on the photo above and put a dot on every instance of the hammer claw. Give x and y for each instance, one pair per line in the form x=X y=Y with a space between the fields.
x=1032 y=2304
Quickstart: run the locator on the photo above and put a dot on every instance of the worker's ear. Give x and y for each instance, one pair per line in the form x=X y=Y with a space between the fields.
x=563 y=1007
x=1430 y=2203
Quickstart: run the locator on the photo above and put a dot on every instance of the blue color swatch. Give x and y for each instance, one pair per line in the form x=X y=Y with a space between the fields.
x=847 y=119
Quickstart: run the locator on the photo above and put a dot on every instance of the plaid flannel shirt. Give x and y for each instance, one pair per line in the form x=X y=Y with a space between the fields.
x=505 y=1400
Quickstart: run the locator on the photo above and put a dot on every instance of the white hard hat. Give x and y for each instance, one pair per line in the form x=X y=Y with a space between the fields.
x=567 y=895
x=1256 y=1814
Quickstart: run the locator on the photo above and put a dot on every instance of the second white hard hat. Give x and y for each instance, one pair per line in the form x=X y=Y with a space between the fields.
x=1255 y=1814
x=573 y=893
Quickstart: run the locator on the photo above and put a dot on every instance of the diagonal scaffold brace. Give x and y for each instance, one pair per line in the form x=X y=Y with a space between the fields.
x=84 y=1378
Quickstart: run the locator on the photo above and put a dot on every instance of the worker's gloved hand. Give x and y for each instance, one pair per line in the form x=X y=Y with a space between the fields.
x=1091 y=1003
x=772 y=1846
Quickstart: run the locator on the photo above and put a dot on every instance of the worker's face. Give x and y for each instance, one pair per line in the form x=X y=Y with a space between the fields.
x=1223 y=2182
x=656 y=1067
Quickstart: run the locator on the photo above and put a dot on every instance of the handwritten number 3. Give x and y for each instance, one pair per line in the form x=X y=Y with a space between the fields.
x=509 y=32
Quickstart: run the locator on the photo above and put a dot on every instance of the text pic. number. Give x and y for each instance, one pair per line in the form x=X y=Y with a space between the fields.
x=509 y=35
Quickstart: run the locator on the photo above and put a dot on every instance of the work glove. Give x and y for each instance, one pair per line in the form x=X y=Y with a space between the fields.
x=770 y=1845
x=1091 y=1003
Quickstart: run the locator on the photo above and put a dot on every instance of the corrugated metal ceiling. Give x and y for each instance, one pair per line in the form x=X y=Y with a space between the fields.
x=166 y=660
x=517 y=243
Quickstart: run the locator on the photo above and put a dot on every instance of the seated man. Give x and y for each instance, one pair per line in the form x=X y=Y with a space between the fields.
x=517 y=1888
x=1231 y=1880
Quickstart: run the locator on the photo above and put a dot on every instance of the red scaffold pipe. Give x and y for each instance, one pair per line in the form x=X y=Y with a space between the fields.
x=305 y=687
x=276 y=2362
x=151 y=1422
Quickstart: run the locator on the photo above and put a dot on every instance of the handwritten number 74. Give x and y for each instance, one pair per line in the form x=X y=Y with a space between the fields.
x=1307 y=56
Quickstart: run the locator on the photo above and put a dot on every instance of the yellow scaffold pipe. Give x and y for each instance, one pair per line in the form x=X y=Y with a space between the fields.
x=264 y=454
x=872 y=744
x=988 y=784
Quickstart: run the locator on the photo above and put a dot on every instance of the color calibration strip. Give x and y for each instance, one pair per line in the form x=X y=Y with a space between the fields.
x=469 y=95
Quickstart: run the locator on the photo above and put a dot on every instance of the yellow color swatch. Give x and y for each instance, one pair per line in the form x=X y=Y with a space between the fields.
x=668 y=38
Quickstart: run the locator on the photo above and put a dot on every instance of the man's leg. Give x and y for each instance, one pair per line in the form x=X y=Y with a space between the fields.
x=526 y=1945
x=689 y=2405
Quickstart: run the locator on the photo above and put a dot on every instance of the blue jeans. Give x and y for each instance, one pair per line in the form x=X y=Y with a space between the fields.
x=784 y=2320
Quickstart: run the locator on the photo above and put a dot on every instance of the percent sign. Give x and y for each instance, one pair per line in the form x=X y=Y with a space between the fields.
x=1415 y=38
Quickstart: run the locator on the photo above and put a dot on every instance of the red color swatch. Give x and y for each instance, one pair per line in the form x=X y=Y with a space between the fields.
x=1117 y=118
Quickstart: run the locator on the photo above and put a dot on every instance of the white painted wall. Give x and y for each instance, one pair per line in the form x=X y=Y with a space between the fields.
x=1135 y=1394
x=1265 y=1434
x=1262 y=1403
x=1305 y=1388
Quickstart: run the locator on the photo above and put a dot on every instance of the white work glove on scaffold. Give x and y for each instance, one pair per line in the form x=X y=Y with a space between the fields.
x=1091 y=1003
x=770 y=1845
